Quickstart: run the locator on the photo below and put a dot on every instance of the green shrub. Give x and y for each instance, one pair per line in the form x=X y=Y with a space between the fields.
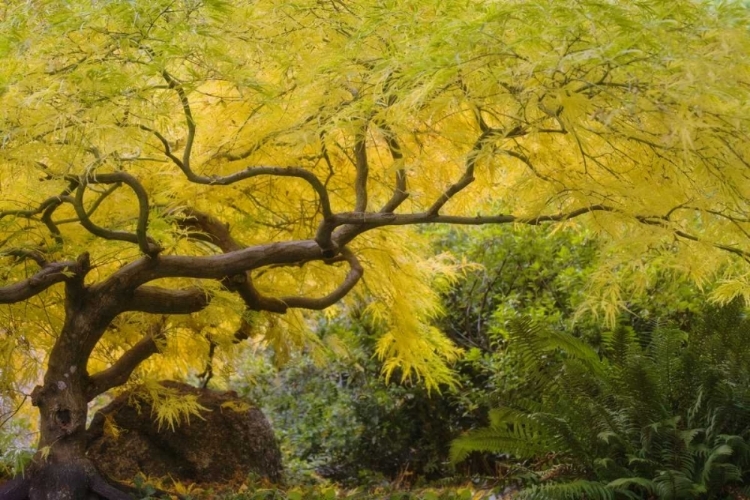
x=662 y=413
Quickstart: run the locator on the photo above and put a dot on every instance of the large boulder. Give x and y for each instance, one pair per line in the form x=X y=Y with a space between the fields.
x=229 y=440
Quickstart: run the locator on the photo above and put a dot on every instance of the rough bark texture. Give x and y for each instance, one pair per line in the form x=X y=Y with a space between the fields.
x=222 y=446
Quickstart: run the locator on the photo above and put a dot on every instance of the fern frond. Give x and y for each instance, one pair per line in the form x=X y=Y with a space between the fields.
x=590 y=490
x=519 y=440
x=627 y=483
x=672 y=484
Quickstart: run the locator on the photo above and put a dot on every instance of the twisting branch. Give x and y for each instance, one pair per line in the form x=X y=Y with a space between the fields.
x=246 y=173
x=204 y=227
x=120 y=371
x=207 y=228
x=141 y=238
x=94 y=206
x=189 y=120
x=352 y=278
x=324 y=236
x=165 y=144
x=29 y=213
x=52 y=225
x=257 y=171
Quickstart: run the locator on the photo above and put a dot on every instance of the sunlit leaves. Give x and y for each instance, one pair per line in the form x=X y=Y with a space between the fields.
x=550 y=106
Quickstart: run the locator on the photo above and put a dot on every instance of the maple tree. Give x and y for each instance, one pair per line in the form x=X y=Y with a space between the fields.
x=193 y=173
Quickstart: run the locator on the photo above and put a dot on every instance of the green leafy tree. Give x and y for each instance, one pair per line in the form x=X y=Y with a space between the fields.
x=225 y=166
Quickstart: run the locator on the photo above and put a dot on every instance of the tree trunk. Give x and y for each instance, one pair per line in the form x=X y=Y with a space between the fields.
x=60 y=469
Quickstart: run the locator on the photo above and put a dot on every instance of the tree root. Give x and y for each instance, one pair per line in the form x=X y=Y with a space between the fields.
x=66 y=482
x=15 y=489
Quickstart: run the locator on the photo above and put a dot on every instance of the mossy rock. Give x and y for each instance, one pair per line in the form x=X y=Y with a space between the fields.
x=228 y=441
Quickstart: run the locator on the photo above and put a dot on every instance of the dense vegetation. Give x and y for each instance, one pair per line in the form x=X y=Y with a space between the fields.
x=657 y=405
x=562 y=405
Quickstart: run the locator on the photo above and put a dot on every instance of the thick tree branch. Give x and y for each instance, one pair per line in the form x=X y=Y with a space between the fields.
x=204 y=227
x=290 y=252
x=120 y=371
x=158 y=300
x=356 y=224
x=255 y=301
x=56 y=272
x=257 y=171
x=213 y=231
x=26 y=253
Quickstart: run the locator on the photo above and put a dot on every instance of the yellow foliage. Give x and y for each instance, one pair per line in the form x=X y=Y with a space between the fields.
x=169 y=408
x=237 y=406
x=634 y=116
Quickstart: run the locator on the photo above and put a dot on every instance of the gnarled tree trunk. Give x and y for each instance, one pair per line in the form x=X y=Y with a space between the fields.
x=60 y=469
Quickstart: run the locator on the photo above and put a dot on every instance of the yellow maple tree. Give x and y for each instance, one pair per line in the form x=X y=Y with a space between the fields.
x=177 y=175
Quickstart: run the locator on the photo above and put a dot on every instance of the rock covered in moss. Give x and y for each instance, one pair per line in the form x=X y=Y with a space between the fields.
x=228 y=440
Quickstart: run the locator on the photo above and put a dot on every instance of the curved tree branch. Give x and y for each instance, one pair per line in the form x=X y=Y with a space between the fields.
x=120 y=371
x=52 y=201
x=94 y=206
x=207 y=228
x=255 y=171
x=352 y=278
x=471 y=160
x=355 y=224
x=141 y=238
x=189 y=120
x=52 y=225
x=204 y=227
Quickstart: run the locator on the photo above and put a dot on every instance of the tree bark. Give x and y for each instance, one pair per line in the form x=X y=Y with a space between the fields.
x=60 y=469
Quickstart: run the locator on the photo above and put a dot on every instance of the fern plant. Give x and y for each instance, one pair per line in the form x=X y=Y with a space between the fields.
x=662 y=414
